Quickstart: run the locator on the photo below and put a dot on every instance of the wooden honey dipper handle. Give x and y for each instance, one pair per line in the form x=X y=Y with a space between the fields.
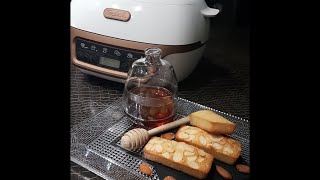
x=136 y=138
x=169 y=126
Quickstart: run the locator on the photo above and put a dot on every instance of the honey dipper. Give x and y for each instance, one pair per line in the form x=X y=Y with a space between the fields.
x=138 y=137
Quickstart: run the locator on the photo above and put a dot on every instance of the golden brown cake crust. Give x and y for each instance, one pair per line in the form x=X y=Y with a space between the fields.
x=223 y=148
x=179 y=156
x=212 y=122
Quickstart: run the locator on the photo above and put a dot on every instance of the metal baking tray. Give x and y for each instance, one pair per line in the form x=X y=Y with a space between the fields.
x=95 y=145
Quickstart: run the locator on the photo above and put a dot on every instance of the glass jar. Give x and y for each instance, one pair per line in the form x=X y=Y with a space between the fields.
x=150 y=90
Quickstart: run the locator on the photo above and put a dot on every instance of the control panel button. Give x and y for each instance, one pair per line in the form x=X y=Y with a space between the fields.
x=82 y=45
x=105 y=50
x=87 y=57
x=79 y=55
x=93 y=47
x=117 y=53
x=129 y=55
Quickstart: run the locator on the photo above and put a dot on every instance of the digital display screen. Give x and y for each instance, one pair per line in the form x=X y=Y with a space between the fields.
x=109 y=62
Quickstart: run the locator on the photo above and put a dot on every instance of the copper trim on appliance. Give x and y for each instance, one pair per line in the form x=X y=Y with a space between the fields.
x=117 y=14
x=101 y=70
x=136 y=46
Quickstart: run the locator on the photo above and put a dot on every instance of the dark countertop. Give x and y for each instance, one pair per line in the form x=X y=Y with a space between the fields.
x=220 y=81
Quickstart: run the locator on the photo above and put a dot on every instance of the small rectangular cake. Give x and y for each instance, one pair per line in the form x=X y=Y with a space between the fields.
x=180 y=156
x=223 y=148
x=212 y=122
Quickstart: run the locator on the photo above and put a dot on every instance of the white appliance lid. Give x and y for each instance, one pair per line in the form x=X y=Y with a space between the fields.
x=164 y=24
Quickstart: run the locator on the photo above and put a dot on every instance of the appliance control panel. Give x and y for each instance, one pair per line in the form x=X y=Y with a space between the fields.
x=106 y=56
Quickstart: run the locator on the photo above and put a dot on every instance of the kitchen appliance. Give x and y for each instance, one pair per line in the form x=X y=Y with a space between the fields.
x=107 y=36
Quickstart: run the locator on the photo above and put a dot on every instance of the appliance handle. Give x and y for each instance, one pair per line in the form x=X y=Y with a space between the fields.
x=209 y=12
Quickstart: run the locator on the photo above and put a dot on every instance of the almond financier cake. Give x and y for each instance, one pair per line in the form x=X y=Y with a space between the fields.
x=223 y=148
x=180 y=156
